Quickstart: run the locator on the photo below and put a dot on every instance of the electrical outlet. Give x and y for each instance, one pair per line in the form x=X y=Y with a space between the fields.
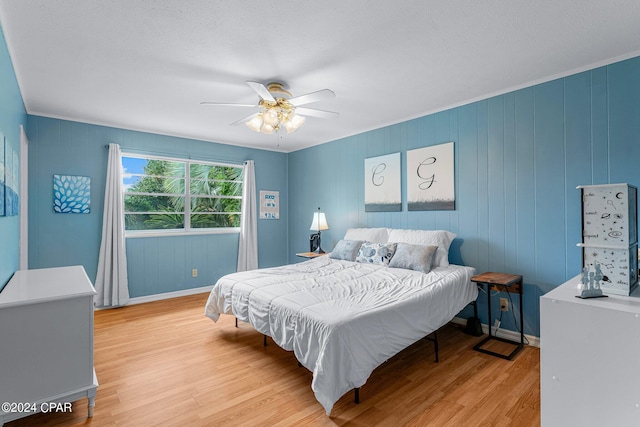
x=194 y=272
x=504 y=304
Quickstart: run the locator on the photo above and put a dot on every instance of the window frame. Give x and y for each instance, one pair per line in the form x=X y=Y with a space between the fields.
x=187 y=230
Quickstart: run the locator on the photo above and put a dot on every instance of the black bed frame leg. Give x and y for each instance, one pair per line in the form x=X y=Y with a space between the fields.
x=264 y=341
x=356 y=395
x=435 y=344
x=236 y=322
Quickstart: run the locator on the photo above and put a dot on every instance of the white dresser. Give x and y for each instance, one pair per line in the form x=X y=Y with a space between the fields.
x=46 y=340
x=589 y=350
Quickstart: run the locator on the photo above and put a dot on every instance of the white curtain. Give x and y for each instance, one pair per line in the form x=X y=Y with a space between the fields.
x=111 y=280
x=248 y=246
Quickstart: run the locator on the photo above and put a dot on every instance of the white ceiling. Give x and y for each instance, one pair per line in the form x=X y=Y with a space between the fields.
x=147 y=64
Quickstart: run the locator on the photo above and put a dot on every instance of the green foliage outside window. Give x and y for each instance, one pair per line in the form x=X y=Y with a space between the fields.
x=156 y=200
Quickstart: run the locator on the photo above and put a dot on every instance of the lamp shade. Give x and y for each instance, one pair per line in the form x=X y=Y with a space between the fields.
x=255 y=123
x=270 y=117
x=293 y=122
x=267 y=129
x=319 y=222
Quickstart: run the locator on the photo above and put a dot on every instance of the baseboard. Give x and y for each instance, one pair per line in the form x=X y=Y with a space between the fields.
x=166 y=295
x=503 y=333
x=169 y=295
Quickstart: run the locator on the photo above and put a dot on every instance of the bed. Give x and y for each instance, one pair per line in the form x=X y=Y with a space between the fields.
x=343 y=315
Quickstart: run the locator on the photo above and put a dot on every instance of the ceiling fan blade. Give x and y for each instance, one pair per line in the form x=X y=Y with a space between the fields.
x=317 y=113
x=262 y=91
x=223 y=104
x=318 y=95
x=243 y=120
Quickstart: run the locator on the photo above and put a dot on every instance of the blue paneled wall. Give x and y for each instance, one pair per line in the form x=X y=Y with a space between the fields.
x=518 y=160
x=155 y=264
x=12 y=115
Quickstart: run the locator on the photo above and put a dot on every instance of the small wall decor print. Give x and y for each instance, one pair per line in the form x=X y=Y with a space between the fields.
x=11 y=181
x=71 y=194
x=430 y=178
x=2 y=176
x=269 y=204
x=382 y=191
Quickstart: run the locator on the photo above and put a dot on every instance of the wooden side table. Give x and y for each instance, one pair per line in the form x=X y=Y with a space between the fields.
x=506 y=283
x=311 y=254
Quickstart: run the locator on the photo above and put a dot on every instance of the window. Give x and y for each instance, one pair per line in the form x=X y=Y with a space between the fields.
x=169 y=195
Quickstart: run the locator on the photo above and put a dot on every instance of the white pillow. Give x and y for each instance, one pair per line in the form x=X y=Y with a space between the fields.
x=376 y=235
x=440 y=238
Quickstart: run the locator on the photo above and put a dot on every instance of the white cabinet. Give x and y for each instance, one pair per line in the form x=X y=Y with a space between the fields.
x=46 y=339
x=588 y=353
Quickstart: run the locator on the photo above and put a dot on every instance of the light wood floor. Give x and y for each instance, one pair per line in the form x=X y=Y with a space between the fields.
x=165 y=363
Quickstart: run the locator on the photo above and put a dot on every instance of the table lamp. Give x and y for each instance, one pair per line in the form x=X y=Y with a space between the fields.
x=318 y=224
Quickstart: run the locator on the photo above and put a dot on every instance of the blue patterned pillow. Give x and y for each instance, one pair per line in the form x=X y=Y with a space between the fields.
x=346 y=250
x=376 y=253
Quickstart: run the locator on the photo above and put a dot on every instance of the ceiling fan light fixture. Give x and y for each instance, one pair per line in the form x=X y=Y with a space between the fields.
x=270 y=117
x=278 y=108
x=267 y=129
x=293 y=122
x=255 y=123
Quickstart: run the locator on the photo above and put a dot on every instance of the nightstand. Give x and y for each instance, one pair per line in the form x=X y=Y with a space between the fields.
x=311 y=254
x=506 y=283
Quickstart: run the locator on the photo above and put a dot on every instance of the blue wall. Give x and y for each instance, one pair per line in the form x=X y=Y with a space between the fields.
x=155 y=264
x=518 y=160
x=12 y=115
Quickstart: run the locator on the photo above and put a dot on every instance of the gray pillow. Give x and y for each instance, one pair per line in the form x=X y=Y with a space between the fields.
x=413 y=257
x=376 y=253
x=346 y=250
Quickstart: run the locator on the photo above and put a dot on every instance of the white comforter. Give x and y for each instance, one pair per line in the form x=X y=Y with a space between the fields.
x=342 y=319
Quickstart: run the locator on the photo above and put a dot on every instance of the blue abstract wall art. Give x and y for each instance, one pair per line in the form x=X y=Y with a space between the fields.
x=71 y=194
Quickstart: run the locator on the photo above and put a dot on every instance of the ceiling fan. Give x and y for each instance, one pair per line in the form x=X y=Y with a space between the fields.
x=278 y=109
